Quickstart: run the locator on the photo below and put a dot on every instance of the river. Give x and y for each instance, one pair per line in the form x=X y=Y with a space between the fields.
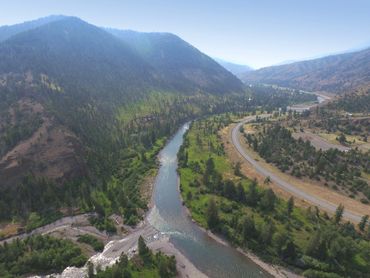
x=170 y=217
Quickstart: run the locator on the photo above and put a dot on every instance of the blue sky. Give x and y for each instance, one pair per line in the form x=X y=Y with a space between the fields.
x=258 y=33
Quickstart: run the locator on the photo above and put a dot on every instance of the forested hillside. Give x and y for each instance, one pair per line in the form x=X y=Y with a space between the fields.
x=180 y=64
x=83 y=115
x=8 y=31
x=336 y=73
x=237 y=69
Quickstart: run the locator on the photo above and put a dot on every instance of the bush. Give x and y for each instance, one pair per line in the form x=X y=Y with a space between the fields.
x=95 y=243
x=310 y=273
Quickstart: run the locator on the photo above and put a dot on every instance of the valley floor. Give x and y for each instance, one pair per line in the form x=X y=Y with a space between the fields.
x=308 y=193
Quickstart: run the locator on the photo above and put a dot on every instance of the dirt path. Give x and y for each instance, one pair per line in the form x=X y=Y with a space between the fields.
x=61 y=223
x=323 y=198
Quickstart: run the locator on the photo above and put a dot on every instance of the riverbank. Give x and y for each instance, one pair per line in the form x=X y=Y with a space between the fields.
x=273 y=270
x=184 y=267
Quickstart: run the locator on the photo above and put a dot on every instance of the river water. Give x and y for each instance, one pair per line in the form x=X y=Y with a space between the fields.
x=170 y=217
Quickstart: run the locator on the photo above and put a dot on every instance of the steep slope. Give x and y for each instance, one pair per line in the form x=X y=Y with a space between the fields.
x=9 y=31
x=336 y=73
x=180 y=64
x=82 y=113
x=75 y=73
x=236 y=69
x=61 y=85
x=72 y=50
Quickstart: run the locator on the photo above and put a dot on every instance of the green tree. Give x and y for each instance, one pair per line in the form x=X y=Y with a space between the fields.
x=289 y=251
x=290 y=206
x=189 y=195
x=240 y=192
x=266 y=233
x=127 y=273
x=249 y=229
x=237 y=169
x=363 y=223
x=338 y=214
x=90 y=270
x=279 y=240
x=144 y=251
x=229 y=189
x=316 y=246
x=252 y=195
x=212 y=214
x=123 y=260
x=342 y=138
x=210 y=166
x=268 y=200
x=267 y=180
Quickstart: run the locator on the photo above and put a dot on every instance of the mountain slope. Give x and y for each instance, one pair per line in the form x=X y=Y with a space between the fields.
x=336 y=73
x=9 y=31
x=70 y=49
x=83 y=114
x=58 y=82
x=180 y=64
x=236 y=69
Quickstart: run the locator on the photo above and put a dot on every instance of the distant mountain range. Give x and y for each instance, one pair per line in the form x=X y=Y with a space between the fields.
x=336 y=73
x=237 y=69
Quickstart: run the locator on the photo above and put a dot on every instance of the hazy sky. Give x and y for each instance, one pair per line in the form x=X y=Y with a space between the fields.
x=258 y=33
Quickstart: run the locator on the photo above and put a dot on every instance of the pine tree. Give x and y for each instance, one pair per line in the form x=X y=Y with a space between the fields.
x=290 y=206
x=363 y=222
x=253 y=196
x=268 y=200
x=237 y=171
x=266 y=233
x=241 y=193
x=289 y=250
x=144 y=251
x=249 y=229
x=212 y=214
x=338 y=214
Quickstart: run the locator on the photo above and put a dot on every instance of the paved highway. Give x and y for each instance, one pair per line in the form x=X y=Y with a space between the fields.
x=314 y=200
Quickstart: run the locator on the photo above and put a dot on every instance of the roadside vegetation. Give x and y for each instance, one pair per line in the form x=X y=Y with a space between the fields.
x=345 y=120
x=38 y=255
x=254 y=218
x=336 y=169
x=95 y=243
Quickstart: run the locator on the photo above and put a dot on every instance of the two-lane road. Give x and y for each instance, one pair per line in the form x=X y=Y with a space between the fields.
x=286 y=186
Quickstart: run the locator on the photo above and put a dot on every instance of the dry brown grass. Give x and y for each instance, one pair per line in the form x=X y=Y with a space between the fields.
x=309 y=187
x=52 y=151
x=9 y=229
